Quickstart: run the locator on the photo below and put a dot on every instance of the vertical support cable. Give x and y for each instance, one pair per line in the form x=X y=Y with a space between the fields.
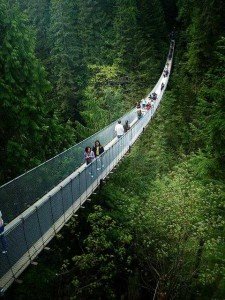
x=71 y=189
x=112 y=161
x=79 y=189
x=25 y=238
x=61 y=192
x=10 y=265
x=39 y=224
x=90 y=166
x=53 y=219
x=109 y=159
x=16 y=204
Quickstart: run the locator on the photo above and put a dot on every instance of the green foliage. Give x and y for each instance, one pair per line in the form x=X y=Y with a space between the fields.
x=174 y=222
x=39 y=12
x=158 y=228
x=104 y=101
x=211 y=122
x=104 y=258
x=66 y=58
x=36 y=289
x=163 y=228
x=94 y=26
x=30 y=132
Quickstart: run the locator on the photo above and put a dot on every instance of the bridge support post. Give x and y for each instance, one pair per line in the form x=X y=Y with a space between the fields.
x=40 y=229
x=101 y=184
x=52 y=215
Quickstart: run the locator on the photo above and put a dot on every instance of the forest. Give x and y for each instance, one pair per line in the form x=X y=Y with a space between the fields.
x=156 y=230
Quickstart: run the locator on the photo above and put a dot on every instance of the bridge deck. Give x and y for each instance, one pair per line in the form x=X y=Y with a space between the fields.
x=29 y=233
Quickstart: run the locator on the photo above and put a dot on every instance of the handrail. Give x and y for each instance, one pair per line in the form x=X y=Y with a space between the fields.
x=31 y=231
x=23 y=191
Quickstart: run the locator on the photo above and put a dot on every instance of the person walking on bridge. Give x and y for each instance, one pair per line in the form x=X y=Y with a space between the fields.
x=162 y=86
x=119 y=129
x=154 y=96
x=143 y=102
x=126 y=126
x=139 y=112
x=98 y=150
x=165 y=72
x=89 y=156
x=148 y=106
x=2 y=236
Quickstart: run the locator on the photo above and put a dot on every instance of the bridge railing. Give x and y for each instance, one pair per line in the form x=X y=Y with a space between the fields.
x=29 y=234
x=32 y=232
x=22 y=192
x=19 y=194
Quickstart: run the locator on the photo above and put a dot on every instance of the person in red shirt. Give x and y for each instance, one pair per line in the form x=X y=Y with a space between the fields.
x=148 y=106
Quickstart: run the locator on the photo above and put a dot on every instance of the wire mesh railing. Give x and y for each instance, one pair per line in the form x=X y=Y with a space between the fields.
x=33 y=230
x=20 y=193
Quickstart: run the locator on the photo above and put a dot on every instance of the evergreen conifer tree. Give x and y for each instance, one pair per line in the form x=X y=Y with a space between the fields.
x=66 y=58
x=29 y=131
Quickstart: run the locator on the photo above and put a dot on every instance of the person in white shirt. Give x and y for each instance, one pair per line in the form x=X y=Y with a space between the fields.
x=119 y=129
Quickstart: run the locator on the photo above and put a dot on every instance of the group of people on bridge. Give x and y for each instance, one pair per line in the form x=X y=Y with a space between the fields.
x=121 y=129
x=147 y=103
x=142 y=107
x=92 y=153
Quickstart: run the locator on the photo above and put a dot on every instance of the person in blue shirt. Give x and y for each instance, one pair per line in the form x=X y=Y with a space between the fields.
x=2 y=236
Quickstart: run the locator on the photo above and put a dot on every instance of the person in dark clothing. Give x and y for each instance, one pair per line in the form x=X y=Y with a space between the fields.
x=165 y=73
x=98 y=149
x=154 y=96
x=139 y=112
x=170 y=54
x=126 y=126
x=162 y=86
x=138 y=105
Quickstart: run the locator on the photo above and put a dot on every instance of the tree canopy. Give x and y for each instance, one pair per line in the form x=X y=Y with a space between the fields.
x=67 y=69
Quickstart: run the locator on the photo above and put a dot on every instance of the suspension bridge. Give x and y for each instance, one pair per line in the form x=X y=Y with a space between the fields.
x=37 y=204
